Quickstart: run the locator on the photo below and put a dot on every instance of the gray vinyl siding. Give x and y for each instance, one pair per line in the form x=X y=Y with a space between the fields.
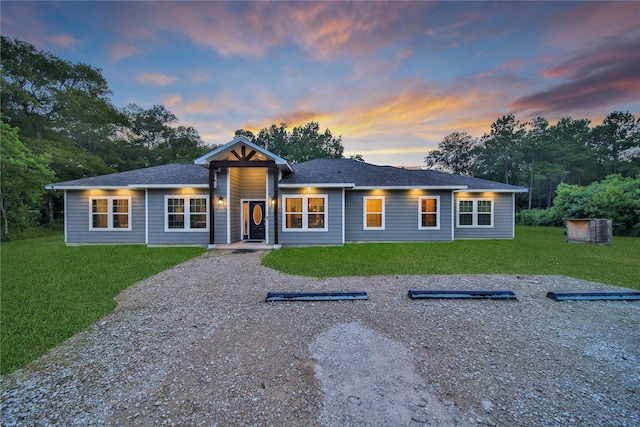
x=503 y=217
x=401 y=217
x=234 y=205
x=78 y=217
x=220 y=214
x=333 y=235
x=157 y=210
x=270 y=209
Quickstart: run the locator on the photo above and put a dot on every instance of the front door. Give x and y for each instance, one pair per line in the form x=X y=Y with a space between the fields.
x=256 y=220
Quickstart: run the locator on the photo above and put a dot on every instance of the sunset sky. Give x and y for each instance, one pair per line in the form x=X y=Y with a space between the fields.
x=392 y=78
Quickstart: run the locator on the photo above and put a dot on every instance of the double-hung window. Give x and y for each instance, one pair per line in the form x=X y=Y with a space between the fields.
x=305 y=213
x=110 y=213
x=186 y=213
x=373 y=214
x=429 y=213
x=475 y=213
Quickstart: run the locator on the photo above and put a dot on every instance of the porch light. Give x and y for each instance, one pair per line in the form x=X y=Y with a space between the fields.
x=220 y=202
x=273 y=201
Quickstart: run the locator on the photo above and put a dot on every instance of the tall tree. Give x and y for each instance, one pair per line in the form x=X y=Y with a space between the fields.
x=23 y=177
x=534 y=151
x=616 y=141
x=42 y=92
x=154 y=139
x=500 y=154
x=455 y=154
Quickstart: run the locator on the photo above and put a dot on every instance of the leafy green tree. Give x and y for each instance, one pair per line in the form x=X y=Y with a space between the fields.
x=154 y=138
x=616 y=142
x=499 y=156
x=302 y=144
x=307 y=143
x=455 y=153
x=42 y=92
x=24 y=176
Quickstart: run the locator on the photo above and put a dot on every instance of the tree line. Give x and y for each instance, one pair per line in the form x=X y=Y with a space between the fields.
x=58 y=124
x=539 y=156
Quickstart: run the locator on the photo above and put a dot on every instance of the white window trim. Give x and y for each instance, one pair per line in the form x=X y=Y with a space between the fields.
x=109 y=213
x=474 y=214
x=305 y=211
x=437 y=212
x=364 y=212
x=187 y=213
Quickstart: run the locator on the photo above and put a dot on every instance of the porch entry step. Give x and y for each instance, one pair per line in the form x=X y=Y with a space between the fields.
x=316 y=296
x=594 y=295
x=473 y=294
x=244 y=251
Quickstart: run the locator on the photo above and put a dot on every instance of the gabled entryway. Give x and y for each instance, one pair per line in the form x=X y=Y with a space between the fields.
x=243 y=188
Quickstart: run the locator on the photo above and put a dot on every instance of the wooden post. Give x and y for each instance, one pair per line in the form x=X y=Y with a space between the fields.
x=275 y=205
x=212 y=204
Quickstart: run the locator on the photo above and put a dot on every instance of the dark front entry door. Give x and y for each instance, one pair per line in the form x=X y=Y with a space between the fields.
x=256 y=220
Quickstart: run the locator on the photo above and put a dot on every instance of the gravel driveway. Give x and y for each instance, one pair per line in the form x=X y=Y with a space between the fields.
x=197 y=345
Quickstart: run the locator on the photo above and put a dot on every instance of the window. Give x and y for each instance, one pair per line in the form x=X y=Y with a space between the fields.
x=187 y=213
x=475 y=213
x=110 y=213
x=429 y=214
x=373 y=213
x=305 y=213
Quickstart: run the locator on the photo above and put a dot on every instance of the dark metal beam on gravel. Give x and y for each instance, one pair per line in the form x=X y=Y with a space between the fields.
x=316 y=296
x=472 y=294
x=595 y=295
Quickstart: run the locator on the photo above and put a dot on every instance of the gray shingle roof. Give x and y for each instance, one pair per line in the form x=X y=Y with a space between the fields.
x=360 y=174
x=170 y=175
x=345 y=172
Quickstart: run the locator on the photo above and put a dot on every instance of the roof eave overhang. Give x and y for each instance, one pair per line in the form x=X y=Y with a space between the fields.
x=159 y=186
x=319 y=185
x=86 y=187
x=409 y=187
x=493 y=190
x=123 y=187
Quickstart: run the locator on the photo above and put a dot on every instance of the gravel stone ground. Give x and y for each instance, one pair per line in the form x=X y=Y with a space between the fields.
x=198 y=345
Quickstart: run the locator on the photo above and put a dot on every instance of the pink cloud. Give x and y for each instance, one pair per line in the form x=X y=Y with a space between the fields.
x=64 y=40
x=155 y=79
x=120 y=51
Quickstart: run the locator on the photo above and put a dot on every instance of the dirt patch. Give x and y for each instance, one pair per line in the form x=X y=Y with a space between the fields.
x=368 y=379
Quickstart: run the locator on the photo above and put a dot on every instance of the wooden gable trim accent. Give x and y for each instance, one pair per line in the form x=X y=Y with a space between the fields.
x=243 y=163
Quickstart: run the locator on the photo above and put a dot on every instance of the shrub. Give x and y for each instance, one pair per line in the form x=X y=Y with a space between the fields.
x=615 y=197
x=538 y=217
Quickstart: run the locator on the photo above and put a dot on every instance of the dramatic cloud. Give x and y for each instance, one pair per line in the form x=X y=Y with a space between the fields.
x=604 y=75
x=393 y=78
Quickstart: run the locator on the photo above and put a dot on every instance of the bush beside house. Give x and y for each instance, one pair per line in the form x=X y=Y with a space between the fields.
x=615 y=197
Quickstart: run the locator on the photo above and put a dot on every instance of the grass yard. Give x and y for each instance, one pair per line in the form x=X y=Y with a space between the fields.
x=51 y=292
x=535 y=250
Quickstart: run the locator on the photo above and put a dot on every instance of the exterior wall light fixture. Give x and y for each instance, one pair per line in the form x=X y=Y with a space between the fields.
x=220 y=202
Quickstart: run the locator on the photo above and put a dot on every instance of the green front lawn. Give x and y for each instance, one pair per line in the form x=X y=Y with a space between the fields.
x=535 y=250
x=51 y=292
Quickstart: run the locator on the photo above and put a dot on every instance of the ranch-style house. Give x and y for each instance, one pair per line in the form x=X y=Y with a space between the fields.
x=242 y=193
